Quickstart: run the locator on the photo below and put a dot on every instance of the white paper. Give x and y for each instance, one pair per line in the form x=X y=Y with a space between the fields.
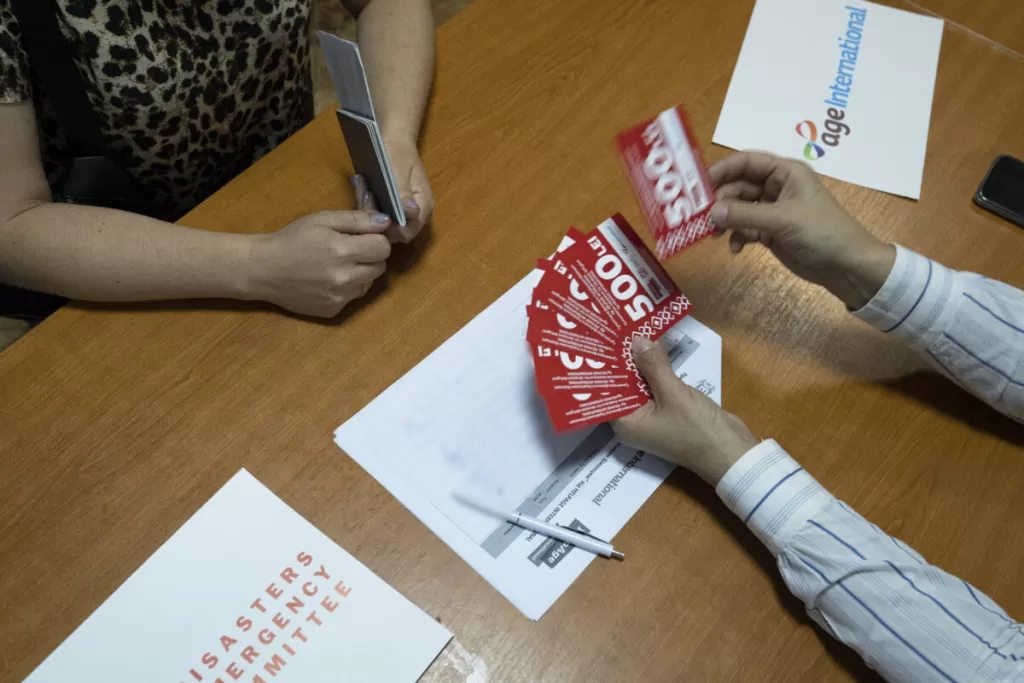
x=187 y=614
x=788 y=65
x=468 y=419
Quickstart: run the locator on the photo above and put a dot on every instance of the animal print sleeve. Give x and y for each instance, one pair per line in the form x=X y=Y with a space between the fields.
x=15 y=76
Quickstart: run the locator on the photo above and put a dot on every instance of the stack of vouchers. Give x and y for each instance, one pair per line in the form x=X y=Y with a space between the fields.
x=596 y=293
x=469 y=420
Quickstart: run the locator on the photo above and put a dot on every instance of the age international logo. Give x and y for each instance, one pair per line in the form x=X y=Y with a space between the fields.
x=835 y=126
x=808 y=131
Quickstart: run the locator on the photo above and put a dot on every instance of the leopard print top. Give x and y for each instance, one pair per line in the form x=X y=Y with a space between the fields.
x=189 y=93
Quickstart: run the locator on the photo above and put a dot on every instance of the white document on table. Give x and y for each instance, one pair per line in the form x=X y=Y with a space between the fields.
x=248 y=590
x=469 y=419
x=846 y=86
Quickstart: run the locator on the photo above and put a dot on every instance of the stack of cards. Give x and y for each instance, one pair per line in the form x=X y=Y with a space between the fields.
x=596 y=293
x=359 y=123
x=670 y=180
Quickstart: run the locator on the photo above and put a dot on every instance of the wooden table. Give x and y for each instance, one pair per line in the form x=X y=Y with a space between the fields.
x=997 y=21
x=117 y=424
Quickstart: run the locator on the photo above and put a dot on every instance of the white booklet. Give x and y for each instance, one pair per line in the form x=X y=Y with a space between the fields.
x=468 y=419
x=844 y=85
x=358 y=123
x=248 y=590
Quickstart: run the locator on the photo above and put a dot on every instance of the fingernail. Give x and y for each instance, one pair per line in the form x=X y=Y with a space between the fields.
x=411 y=204
x=355 y=183
x=719 y=212
x=381 y=218
x=641 y=344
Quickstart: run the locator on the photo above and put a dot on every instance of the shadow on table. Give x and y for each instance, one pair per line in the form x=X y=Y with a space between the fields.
x=857 y=350
x=943 y=395
x=404 y=256
x=693 y=486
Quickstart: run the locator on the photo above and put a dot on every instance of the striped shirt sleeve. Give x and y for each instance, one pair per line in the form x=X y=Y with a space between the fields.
x=967 y=326
x=908 y=620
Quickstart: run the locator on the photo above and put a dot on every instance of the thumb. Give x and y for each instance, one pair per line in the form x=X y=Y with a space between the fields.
x=749 y=217
x=653 y=363
x=412 y=209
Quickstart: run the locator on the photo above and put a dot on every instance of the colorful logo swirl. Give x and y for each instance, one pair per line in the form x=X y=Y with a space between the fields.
x=808 y=131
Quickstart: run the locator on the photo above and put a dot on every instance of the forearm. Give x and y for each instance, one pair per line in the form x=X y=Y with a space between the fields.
x=396 y=38
x=95 y=254
x=910 y=621
x=967 y=326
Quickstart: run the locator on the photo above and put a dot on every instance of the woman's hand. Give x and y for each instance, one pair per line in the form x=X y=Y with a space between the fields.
x=414 y=188
x=321 y=262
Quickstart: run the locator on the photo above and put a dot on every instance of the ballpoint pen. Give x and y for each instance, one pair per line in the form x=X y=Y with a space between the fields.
x=577 y=538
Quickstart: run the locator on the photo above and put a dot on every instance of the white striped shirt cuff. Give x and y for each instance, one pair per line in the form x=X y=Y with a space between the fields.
x=912 y=304
x=772 y=494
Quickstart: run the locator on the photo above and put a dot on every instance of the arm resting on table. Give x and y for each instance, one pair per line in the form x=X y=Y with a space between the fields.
x=908 y=620
x=89 y=253
x=970 y=327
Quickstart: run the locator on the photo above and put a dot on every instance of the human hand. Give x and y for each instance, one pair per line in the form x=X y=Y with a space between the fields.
x=413 y=186
x=318 y=264
x=681 y=424
x=782 y=204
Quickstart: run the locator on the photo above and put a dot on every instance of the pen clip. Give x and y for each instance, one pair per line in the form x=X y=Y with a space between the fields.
x=582 y=533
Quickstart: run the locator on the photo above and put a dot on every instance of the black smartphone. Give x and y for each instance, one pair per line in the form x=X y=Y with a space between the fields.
x=1002 y=190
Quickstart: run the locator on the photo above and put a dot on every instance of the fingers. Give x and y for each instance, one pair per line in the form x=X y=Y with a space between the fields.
x=752 y=167
x=365 y=273
x=348 y=294
x=739 y=190
x=416 y=218
x=759 y=220
x=737 y=241
x=354 y=222
x=425 y=205
x=743 y=190
x=365 y=201
x=412 y=209
x=653 y=363
x=354 y=284
x=405 y=233
x=370 y=249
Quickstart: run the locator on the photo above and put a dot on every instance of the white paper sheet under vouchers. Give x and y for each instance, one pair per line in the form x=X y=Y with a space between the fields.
x=468 y=418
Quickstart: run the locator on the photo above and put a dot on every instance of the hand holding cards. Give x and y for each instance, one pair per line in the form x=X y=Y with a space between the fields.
x=595 y=295
x=670 y=180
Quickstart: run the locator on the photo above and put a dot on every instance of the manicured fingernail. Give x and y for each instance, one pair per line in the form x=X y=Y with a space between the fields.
x=366 y=197
x=355 y=183
x=719 y=212
x=411 y=204
x=381 y=218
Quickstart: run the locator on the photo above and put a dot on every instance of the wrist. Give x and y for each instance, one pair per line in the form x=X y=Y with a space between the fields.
x=729 y=446
x=252 y=286
x=226 y=269
x=866 y=271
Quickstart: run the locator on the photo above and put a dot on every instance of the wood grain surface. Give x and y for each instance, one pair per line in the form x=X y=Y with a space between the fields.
x=999 y=21
x=117 y=423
